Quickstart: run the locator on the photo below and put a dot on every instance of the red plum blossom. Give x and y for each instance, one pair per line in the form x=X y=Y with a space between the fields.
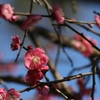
x=15 y=43
x=32 y=19
x=35 y=59
x=33 y=76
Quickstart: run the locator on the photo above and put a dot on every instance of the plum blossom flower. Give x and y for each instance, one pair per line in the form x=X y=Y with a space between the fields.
x=84 y=46
x=3 y=94
x=35 y=59
x=6 y=11
x=97 y=19
x=58 y=14
x=15 y=43
x=33 y=76
x=43 y=90
x=12 y=94
x=32 y=19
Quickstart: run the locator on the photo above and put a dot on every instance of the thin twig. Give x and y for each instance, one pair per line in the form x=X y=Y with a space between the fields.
x=88 y=29
x=79 y=22
x=60 y=80
x=96 y=13
x=31 y=6
x=28 y=14
x=68 y=56
x=61 y=93
x=93 y=76
x=57 y=55
x=21 y=45
x=26 y=32
x=79 y=68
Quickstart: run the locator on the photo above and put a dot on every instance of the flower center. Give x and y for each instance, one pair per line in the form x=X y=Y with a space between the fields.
x=36 y=59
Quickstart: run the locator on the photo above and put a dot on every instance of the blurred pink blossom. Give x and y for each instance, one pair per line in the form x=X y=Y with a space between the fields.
x=6 y=11
x=15 y=43
x=43 y=90
x=84 y=46
x=33 y=76
x=58 y=14
x=32 y=19
x=97 y=19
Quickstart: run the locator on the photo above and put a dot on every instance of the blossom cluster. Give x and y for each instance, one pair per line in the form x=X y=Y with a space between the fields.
x=35 y=62
x=84 y=46
x=11 y=94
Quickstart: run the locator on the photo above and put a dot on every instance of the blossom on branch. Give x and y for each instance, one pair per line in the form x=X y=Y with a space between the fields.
x=35 y=59
x=35 y=62
x=58 y=14
x=6 y=11
x=15 y=43
x=43 y=90
x=12 y=94
x=33 y=76
x=32 y=19
x=97 y=19
x=84 y=46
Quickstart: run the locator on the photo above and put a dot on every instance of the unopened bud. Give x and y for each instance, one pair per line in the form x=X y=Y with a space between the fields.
x=90 y=25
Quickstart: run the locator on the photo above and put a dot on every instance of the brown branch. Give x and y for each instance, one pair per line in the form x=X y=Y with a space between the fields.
x=93 y=76
x=89 y=29
x=79 y=22
x=18 y=80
